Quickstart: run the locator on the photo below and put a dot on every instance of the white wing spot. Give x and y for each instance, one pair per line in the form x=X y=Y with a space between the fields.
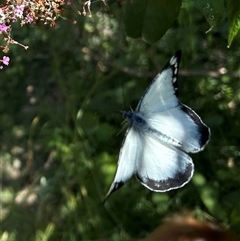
x=174 y=80
x=173 y=60
x=175 y=71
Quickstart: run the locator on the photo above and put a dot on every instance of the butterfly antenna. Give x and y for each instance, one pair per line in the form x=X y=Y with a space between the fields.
x=131 y=108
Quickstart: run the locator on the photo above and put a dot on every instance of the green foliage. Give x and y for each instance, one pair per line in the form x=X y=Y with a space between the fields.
x=212 y=10
x=149 y=19
x=61 y=128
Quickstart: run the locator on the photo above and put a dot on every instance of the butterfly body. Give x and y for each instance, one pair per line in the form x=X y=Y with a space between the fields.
x=162 y=131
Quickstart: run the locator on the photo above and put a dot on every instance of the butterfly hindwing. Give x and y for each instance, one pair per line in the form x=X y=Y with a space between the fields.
x=162 y=167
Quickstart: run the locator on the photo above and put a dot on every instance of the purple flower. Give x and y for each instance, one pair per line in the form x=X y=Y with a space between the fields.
x=5 y=60
x=3 y=28
x=28 y=19
x=19 y=10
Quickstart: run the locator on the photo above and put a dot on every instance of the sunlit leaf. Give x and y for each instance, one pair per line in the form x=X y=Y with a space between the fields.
x=233 y=19
x=208 y=195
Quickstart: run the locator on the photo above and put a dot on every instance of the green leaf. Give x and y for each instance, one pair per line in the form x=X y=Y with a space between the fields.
x=213 y=10
x=149 y=19
x=235 y=216
x=233 y=19
x=209 y=195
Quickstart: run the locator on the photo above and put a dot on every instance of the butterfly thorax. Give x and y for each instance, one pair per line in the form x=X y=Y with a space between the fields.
x=136 y=120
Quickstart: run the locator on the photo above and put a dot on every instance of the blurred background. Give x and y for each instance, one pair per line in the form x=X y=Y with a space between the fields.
x=61 y=129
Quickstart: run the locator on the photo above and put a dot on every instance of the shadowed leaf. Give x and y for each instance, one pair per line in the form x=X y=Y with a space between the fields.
x=149 y=19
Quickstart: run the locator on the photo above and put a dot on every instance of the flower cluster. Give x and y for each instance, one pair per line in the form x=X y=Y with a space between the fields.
x=34 y=12
x=5 y=60
x=26 y=12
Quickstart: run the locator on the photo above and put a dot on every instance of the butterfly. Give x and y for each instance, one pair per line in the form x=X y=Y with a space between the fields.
x=162 y=131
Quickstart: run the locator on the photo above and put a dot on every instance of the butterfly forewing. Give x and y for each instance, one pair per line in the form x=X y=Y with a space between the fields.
x=161 y=93
x=128 y=156
x=169 y=120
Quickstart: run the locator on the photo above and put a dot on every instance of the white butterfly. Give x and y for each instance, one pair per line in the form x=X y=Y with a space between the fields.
x=162 y=131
